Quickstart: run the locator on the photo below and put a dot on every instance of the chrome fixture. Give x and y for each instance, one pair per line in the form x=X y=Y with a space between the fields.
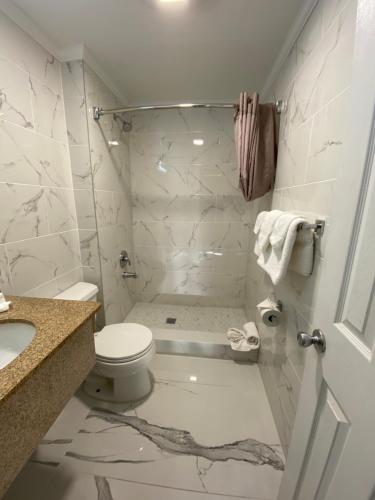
x=317 y=227
x=317 y=339
x=127 y=274
x=124 y=259
x=97 y=112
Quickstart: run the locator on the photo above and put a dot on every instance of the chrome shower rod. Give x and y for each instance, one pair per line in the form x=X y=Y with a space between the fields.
x=98 y=112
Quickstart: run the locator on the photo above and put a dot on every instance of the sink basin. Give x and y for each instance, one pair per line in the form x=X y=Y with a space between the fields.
x=14 y=338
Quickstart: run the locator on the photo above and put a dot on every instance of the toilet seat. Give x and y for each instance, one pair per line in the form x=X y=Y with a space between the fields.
x=122 y=342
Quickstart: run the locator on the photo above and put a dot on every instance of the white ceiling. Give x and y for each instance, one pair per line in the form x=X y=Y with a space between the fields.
x=207 y=50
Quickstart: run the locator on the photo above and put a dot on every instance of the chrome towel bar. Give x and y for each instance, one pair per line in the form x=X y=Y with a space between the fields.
x=318 y=226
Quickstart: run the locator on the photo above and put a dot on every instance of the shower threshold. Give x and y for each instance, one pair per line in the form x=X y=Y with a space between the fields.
x=198 y=344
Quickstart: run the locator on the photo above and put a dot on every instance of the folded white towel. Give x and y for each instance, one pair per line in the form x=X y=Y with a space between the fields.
x=259 y=221
x=244 y=340
x=265 y=228
x=275 y=261
x=280 y=229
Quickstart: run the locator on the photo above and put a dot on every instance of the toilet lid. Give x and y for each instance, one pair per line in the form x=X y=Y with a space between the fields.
x=122 y=341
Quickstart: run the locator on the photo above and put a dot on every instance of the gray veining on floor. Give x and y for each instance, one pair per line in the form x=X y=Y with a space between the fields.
x=205 y=433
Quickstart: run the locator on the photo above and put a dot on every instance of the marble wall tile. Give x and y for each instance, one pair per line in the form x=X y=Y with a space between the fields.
x=38 y=256
x=315 y=81
x=197 y=208
x=292 y=159
x=61 y=209
x=30 y=158
x=72 y=79
x=331 y=9
x=189 y=215
x=205 y=235
x=5 y=279
x=104 y=208
x=75 y=109
x=149 y=259
x=18 y=47
x=327 y=139
x=89 y=248
x=15 y=103
x=23 y=214
x=200 y=284
x=69 y=279
x=48 y=109
x=315 y=198
x=328 y=70
x=149 y=149
x=85 y=207
x=38 y=260
x=81 y=167
x=310 y=35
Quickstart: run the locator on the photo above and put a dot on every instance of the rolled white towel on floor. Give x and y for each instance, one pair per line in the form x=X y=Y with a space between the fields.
x=244 y=340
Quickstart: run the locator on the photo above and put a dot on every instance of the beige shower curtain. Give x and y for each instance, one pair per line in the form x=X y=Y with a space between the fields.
x=256 y=136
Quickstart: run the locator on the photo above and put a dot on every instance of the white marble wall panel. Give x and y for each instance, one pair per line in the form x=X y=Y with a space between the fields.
x=38 y=260
x=19 y=48
x=23 y=212
x=191 y=223
x=315 y=81
x=61 y=210
x=38 y=232
x=14 y=94
x=30 y=158
x=48 y=106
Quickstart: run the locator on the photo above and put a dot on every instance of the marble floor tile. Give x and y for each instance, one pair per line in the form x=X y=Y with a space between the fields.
x=41 y=482
x=206 y=431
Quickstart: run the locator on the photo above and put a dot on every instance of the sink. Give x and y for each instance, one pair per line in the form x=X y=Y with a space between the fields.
x=14 y=338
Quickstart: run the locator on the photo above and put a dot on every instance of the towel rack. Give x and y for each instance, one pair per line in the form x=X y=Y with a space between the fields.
x=318 y=226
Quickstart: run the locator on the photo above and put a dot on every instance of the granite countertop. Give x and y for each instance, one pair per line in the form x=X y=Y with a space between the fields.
x=54 y=320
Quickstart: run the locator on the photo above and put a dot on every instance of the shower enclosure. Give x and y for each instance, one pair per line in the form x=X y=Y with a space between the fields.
x=161 y=184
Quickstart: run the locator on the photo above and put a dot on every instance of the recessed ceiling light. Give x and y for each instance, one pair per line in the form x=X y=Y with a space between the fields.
x=193 y=378
x=172 y=1
x=198 y=142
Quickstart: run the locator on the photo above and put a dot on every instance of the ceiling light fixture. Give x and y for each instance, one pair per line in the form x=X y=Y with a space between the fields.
x=113 y=143
x=172 y=1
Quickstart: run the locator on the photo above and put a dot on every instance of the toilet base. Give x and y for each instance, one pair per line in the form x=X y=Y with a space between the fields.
x=119 y=390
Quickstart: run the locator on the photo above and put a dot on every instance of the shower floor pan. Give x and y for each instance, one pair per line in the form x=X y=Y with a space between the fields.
x=199 y=344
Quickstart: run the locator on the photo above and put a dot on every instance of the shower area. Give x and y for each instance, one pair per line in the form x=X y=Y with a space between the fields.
x=161 y=185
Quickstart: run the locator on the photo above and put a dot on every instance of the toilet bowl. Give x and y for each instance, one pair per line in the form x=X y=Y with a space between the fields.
x=123 y=353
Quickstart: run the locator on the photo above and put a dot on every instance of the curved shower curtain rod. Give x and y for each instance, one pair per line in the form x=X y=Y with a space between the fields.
x=97 y=112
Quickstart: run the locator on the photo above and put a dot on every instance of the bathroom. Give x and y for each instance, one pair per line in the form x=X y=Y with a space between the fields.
x=151 y=344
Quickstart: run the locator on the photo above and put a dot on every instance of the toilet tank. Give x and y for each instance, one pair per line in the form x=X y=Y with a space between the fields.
x=79 y=291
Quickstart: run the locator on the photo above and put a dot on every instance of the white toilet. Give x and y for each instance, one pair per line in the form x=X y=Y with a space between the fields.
x=123 y=352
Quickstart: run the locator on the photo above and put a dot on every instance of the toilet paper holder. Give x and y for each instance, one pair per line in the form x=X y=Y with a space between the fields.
x=270 y=311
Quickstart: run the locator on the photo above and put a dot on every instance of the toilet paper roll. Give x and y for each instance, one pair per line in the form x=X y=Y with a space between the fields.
x=270 y=311
x=270 y=317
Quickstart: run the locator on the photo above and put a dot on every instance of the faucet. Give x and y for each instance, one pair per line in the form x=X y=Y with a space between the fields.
x=127 y=274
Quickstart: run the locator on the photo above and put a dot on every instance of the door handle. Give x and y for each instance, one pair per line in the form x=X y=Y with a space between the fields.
x=317 y=339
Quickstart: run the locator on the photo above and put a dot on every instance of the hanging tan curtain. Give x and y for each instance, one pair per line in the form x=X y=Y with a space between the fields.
x=256 y=136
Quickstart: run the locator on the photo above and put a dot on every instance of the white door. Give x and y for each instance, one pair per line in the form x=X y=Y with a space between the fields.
x=332 y=450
